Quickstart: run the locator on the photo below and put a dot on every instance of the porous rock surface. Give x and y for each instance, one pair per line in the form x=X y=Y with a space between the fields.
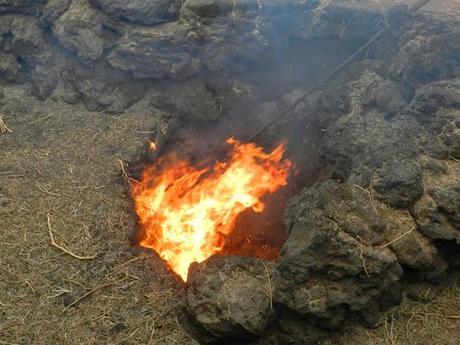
x=146 y=12
x=158 y=40
x=392 y=152
x=229 y=298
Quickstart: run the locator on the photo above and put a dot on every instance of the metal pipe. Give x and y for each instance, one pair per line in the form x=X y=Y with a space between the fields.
x=330 y=76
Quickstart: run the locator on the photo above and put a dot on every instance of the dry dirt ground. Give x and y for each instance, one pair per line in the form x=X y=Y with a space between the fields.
x=60 y=163
x=433 y=318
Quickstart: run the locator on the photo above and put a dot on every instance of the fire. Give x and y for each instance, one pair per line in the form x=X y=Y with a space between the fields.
x=186 y=212
x=152 y=145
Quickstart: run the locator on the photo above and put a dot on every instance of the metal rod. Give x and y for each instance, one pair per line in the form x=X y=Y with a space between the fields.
x=331 y=75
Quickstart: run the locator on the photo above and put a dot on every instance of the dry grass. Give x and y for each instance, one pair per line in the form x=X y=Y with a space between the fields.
x=435 y=181
x=63 y=161
x=435 y=320
x=3 y=126
x=424 y=323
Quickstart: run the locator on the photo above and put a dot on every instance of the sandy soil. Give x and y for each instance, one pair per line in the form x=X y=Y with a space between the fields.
x=62 y=161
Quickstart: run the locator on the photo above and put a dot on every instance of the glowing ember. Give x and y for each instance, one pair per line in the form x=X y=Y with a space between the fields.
x=186 y=213
x=152 y=145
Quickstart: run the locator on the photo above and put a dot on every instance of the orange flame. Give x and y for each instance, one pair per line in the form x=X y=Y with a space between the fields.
x=152 y=145
x=186 y=213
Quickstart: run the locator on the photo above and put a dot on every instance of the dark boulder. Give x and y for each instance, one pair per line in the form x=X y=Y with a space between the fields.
x=79 y=30
x=148 y=12
x=364 y=129
x=229 y=299
x=164 y=51
x=101 y=88
x=356 y=145
x=295 y=329
x=430 y=98
x=399 y=182
x=9 y=67
x=434 y=166
x=26 y=36
x=429 y=51
x=31 y=7
x=44 y=80
x=53 y=10
x=330 y=263
x=219 y=7
x=448 y=201
x=413 y=250
x=435 y=214
x=212 y=8
x=192 y=100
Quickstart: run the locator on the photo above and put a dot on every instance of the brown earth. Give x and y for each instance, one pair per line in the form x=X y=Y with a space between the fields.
x=430 y=316
x=62 y=161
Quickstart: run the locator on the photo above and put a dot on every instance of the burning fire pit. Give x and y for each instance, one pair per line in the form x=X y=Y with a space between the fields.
x=187 y=212
x=348 y=192
x=349 y=239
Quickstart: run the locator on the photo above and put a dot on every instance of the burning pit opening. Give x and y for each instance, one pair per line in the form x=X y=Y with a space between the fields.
x=191 y=198
x=189 y=212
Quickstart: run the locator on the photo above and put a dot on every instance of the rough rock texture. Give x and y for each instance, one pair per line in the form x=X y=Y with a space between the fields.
x=90 y=84
x=211 y=7
x=25 y=36
x=31 y=7
x=79 y=29
x=351 y=244
x=9 y=67
x=429 y=98
x=168 y=50
x=431 y=217
x=146 y=12
x=53 y=10
x=399 y=183
x=296 y=329
x=437 y=212
x=192 y=100
x=356 y=145
x=158 y=39
x=228 y=298
x=429 y=51
x=330 y=263
x=435 y=107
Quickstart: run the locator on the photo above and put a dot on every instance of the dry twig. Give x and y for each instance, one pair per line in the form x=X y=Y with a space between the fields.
x=39 y=120
x=126 y=338
x=47 y=191
x=125 y=175
x=3 y=127
x=369 y=194
x=398 y=238
x=90 y=292
x=449 y=317
x=361 y=255
x=362 y=251
x=63 y=249
x=270 y=292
